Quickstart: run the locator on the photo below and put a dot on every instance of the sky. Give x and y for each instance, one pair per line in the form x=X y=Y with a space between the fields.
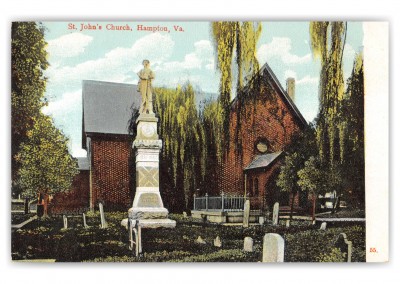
x=178 y=52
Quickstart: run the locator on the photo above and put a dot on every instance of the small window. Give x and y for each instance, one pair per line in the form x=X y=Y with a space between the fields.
x=262 y=147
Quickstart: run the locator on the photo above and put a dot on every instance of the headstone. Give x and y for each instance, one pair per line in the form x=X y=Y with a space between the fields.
x=84 y=221
x=200 y=240
x=184 y=214
x=65 y=220
x=313 y=222
x=287 y=223
x=246 y=213
x=345 y=246
x=275 y=215
x=102 y=218
x=217 y=242
x=273 y=248
x=323 y=226
x=248 y=244
x=261 y=220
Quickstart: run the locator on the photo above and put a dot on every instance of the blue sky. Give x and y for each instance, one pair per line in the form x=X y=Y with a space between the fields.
x=176 y=57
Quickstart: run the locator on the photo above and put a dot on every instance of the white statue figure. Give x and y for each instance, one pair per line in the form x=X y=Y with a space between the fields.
x=145 y=88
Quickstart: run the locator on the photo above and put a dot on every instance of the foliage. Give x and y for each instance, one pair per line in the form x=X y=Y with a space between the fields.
x=233 y=40
x=46 y=165
x=334 y=256
x=327 y=41
x=183 y=155
x=353 y=112
x=46 y=238
x=28 y=61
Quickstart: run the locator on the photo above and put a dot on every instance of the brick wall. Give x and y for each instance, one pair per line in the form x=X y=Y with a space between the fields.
x=75 y=200
x=111 y=171
x=266 y=118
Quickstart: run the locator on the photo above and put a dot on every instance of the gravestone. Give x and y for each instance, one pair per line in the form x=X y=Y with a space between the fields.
x=275 y=214
x=273 y=248
x=200 y=240
x=287 y=223
x=261 y=220
x=65 y=220
x=84 y=221
x=102 y=218
x=184 y=214
x=344 y=245
x=323 y=226
x=246 y=213
x=248 y=244
x=217 y=242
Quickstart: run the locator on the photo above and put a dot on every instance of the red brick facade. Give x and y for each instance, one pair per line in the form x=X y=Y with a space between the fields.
x=110 y=171
x=269 y=118
x=75 y=200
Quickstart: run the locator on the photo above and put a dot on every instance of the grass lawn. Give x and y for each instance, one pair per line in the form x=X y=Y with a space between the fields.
x=46 y=239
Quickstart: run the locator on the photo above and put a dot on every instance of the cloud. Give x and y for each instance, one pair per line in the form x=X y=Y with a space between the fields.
x=69 y=45
x=280 y=47
x=68 y=102
x=306 y=80
x=201 y=57
x=116 y=65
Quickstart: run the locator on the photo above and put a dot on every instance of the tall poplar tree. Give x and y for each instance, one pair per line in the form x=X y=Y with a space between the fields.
x=327 y=42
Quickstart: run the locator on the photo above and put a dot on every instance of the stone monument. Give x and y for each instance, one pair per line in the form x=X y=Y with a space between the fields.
x=148 y=209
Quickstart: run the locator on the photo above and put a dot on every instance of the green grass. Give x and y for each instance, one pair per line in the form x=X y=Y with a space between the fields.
x=46 y=239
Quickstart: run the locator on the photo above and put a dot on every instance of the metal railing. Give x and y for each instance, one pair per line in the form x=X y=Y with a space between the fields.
x=225 y=203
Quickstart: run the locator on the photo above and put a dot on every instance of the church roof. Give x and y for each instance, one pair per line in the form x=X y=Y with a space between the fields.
x=266 y=70
x=263 y=161
x=107 y=107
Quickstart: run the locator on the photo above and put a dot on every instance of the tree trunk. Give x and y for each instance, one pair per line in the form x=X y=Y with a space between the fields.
x=292 y=205
x=313 y=208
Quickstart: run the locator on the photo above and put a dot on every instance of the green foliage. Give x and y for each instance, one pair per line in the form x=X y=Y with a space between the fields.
x=312 y=177
x=28 y=61
x=303 y=243
x=183 y=155
x=233 y=40
x=334 y=256
x=327 y=42
x=46 y=165
x=353 y=127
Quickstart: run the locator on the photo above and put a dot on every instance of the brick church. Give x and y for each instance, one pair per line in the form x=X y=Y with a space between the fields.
x=250 y=167
x=268 y=121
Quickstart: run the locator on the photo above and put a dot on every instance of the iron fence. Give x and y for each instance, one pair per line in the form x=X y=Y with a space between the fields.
x=225 y=203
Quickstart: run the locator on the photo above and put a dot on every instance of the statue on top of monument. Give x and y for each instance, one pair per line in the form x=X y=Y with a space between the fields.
x=146 y=75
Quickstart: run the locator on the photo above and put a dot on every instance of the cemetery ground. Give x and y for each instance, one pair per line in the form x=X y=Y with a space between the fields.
x=47 y=239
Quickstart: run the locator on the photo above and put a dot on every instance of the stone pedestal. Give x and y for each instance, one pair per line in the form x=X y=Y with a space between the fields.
x=147 y=203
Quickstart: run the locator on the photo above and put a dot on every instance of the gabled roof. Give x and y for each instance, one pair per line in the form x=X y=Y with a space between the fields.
x=263 y=161
x=107 y=107
x=265 y=70
x=83 y=163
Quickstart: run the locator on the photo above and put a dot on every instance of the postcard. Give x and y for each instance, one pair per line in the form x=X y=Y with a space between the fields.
x=199 y=141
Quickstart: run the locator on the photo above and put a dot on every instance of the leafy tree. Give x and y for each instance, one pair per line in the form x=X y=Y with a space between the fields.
x=46 y=166
x=327 y=42
x=28 y=61
x=233 y=40
x=318 y=179
x=312 y=178
x=184 y=155
x=303 y=146
x=353 y=113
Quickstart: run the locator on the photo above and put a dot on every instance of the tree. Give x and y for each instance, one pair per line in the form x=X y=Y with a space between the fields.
x=46 y=166
x=297 y=152
x=183 y=155
x=313 y=179
x=28 y=61
x=233 y=39
x=353 y=112
x=327 y=42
